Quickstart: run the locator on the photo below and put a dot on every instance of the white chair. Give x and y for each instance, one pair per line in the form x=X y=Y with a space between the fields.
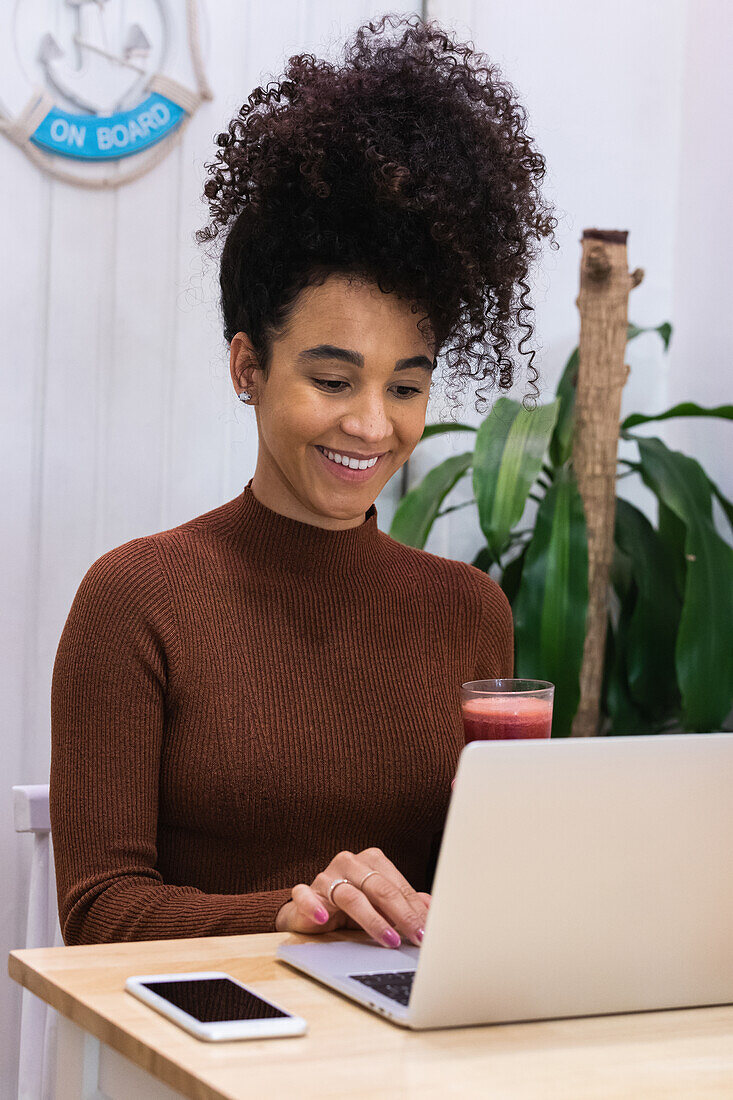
x=38 y=1021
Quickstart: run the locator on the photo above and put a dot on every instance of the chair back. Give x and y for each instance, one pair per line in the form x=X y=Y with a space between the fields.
x=37 y=1055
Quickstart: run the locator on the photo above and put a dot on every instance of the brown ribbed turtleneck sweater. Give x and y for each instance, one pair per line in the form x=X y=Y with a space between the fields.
x=239 y=698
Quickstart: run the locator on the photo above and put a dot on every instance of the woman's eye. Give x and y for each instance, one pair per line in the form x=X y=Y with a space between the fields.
x=329 y=382
x=408 y=390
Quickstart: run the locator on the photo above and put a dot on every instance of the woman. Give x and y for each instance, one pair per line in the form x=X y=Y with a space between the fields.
x=255 y=714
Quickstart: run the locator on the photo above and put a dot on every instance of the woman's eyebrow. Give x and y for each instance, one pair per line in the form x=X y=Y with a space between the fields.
x=328 y=351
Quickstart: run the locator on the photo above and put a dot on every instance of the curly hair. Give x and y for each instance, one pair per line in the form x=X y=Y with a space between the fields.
x=408 y=165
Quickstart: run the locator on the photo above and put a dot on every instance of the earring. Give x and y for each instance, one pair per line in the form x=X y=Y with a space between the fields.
x=244 y=396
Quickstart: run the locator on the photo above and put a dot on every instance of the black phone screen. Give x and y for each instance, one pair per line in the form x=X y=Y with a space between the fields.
x=212 y=1000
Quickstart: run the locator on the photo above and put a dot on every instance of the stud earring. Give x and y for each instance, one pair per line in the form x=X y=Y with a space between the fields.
x=244 y=396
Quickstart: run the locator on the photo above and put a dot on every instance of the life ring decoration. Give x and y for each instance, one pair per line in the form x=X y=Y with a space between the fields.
x=97 y=99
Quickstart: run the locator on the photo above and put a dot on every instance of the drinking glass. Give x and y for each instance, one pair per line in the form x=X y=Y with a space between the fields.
x=500 y=710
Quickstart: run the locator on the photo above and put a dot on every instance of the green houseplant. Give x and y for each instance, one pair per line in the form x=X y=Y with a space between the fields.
x=669 y=657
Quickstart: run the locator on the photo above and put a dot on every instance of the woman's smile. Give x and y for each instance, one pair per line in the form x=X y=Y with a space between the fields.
x=346 y=473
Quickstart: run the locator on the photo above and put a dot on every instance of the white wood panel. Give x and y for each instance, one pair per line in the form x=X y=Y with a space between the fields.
x=22 y=394
x=135 y=361
x=81 y=253
x=26 y=213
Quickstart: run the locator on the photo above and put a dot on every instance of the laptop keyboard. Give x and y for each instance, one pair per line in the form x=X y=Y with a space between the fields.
x=395 y=984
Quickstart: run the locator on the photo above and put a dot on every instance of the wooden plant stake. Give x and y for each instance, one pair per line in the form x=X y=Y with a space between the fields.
x=603 y=300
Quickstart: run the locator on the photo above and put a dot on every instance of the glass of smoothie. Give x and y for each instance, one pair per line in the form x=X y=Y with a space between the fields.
x=506 y=710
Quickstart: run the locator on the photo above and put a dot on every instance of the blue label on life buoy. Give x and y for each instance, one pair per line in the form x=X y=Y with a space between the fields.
x=94 y=137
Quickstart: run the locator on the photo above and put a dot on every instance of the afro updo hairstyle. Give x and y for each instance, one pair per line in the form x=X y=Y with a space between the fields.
x=407 y=165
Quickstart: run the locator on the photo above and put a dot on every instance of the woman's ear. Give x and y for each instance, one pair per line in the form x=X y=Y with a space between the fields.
x=242 y=362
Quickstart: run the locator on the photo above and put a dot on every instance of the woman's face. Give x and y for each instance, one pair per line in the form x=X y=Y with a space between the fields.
x=353 y=376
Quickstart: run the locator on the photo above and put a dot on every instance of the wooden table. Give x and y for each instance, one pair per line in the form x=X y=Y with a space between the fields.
x=112 y=1045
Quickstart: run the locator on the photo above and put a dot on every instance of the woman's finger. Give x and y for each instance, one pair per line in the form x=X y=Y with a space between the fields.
x=311 y=908
x=354 y=903
x=378 y=861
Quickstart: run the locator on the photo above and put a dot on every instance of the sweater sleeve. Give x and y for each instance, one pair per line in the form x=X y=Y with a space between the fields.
x=495 y=638
x=108 y=699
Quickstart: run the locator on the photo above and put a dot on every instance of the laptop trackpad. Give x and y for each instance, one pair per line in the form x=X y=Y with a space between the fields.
x=344 y=958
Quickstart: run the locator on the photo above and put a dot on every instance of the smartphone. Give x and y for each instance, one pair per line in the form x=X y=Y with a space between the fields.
x=214 y=1006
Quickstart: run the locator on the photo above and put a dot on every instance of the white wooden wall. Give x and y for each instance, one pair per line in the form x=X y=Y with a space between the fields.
x=118 y=416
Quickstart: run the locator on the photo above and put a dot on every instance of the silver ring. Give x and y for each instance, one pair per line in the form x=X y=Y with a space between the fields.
x=334 y=884
x=366 y=876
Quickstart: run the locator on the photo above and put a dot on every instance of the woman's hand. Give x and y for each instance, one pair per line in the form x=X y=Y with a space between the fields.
x=386 y=906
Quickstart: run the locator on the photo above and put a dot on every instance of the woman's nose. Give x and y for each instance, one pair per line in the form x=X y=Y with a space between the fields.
x=368 y=418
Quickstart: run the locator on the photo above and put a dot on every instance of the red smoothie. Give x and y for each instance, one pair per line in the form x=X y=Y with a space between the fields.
x=506 y=718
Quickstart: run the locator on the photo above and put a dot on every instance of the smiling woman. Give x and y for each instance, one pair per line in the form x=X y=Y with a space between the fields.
x=375 y=215
x=256 y=714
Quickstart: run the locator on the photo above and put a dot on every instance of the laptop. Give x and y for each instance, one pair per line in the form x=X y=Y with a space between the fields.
x=575 y=877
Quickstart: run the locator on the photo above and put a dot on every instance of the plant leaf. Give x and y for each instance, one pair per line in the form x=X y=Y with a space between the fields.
x=621 y=576
x=704 y=654
x=418 y=509
x=439 y=429
x=561 y=444
x=672 y=533
x=652 y=628
x=687 y=408
x=510 y=445
x=550 y=609
x=664 y=330
x=616 y=701
x=512 y=576
x=483 y=560
x=455 y=507
x=724 y=503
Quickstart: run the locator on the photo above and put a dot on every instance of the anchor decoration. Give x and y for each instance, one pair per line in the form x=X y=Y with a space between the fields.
x=101 y=98
x=104 y=79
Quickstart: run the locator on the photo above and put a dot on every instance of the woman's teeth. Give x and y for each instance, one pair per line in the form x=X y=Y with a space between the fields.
x=352 y=463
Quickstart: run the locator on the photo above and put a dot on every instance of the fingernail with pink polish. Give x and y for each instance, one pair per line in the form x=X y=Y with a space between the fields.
x=321 y=915
x=391 y=938
x=420 y=933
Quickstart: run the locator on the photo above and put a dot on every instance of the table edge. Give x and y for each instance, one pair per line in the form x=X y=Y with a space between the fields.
x=157 y=1063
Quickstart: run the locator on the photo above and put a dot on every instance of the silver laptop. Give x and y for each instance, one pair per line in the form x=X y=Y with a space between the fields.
x=575 y=877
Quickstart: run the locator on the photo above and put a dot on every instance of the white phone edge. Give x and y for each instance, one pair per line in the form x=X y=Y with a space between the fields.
x=223 y=1030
